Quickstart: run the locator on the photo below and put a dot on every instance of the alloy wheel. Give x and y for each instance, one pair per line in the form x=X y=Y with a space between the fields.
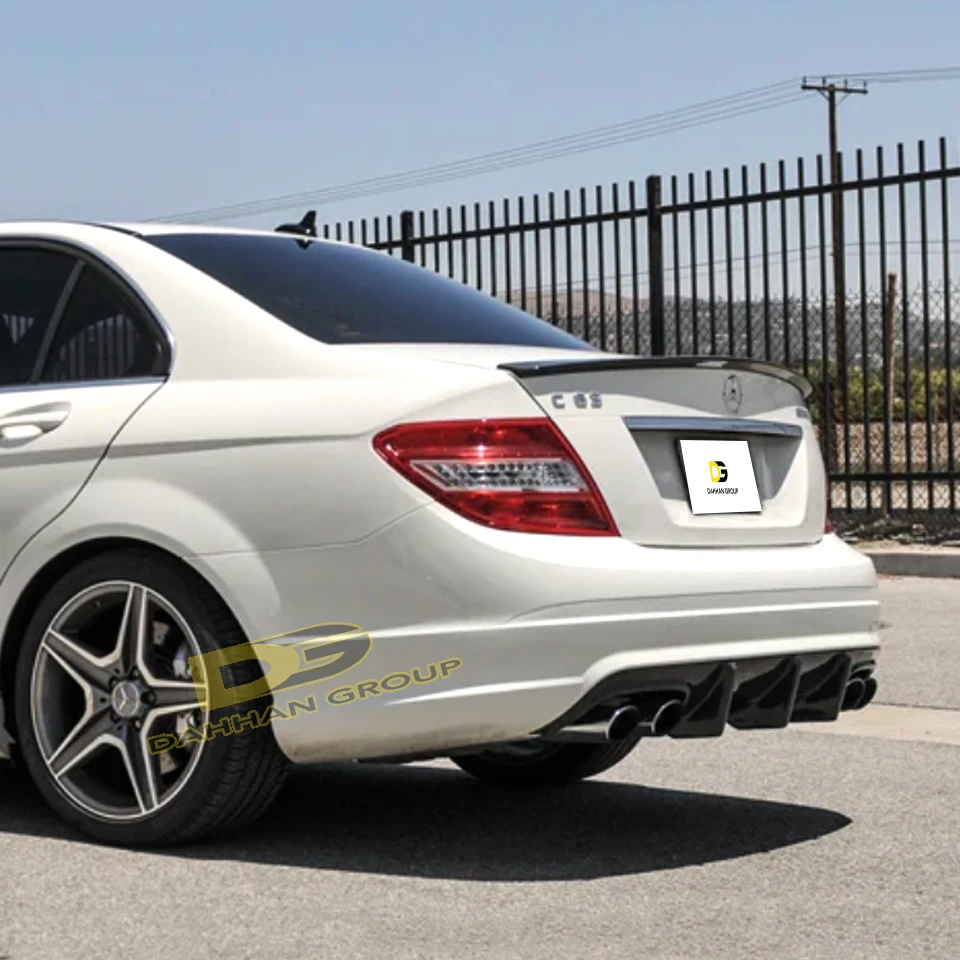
x=114 y=668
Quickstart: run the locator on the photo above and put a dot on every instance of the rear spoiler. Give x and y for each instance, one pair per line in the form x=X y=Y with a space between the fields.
x=594 y=362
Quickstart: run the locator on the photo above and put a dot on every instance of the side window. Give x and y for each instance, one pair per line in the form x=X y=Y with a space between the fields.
x=102 y=336
x=31 y=283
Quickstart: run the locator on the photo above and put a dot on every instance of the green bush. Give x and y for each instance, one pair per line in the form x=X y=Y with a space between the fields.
x=868 y=395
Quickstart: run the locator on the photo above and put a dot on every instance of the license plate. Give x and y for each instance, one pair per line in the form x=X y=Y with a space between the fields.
x=720 y=477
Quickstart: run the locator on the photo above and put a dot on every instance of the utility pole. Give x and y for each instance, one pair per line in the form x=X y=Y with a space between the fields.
x=831 y=90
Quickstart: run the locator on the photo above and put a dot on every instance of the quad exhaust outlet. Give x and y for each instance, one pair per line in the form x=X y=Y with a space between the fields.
x=702 y=700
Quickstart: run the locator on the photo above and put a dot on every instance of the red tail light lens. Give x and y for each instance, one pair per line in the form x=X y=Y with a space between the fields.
x=518 y=475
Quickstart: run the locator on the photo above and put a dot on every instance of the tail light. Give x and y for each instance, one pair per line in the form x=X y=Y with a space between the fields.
x=519 y=475
x=828 y=526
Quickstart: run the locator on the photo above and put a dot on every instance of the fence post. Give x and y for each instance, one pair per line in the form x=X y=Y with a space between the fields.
x=655 y=266
x=407 y=251
x=888 y=387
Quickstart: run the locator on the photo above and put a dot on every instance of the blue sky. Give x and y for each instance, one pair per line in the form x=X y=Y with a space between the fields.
x=128 y=110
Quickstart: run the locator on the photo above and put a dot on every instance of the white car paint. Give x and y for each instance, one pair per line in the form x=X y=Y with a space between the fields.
x=254 y=463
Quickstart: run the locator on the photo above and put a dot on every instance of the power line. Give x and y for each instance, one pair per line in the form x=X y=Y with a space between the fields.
x=521 y=156
x=715 y=110
x=390 y=187
x=710 y=111
x=927 y=75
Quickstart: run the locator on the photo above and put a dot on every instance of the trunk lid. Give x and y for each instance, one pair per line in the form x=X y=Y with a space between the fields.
x=626 y=416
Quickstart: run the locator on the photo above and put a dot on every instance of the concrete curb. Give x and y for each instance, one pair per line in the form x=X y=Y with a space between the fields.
x=914 y=561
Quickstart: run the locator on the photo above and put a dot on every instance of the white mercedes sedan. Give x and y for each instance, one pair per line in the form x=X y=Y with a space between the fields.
x=267 y=498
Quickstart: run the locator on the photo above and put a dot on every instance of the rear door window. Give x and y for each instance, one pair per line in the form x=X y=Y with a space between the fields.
x=31 y=285
x=102 y=336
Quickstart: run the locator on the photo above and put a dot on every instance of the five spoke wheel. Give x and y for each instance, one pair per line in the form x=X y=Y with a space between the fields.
x=113 y=669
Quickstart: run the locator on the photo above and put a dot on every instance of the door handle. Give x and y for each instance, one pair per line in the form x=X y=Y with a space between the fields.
x=30 y=424
x=20 y=431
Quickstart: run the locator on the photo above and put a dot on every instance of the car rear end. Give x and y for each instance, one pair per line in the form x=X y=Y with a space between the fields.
x=634 y=598
x=620 y=533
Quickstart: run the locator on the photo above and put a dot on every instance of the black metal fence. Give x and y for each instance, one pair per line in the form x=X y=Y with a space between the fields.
x=743 y=265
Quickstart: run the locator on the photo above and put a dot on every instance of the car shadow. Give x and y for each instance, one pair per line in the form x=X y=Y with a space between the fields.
x=436 y=822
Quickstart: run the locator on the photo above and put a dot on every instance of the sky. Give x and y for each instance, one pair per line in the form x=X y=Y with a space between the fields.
x=128 y=111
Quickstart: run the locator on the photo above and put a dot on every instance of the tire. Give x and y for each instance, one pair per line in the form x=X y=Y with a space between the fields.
x=83 y=714
x=543 y=765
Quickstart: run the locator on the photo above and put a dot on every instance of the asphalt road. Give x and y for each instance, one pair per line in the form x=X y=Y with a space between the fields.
x=785 y=844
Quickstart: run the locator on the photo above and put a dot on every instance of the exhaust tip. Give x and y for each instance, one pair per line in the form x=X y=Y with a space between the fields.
x=853 y=695
x=666 y=719
x=623 y=723
x=869 y=692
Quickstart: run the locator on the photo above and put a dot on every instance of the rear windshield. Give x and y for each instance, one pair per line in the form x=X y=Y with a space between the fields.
x=343 y=294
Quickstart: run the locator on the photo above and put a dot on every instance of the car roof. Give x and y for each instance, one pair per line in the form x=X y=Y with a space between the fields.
x=139 y=229
x=165 y=229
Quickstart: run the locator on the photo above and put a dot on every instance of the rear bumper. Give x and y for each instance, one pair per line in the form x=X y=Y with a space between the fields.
x=540 y=624
x=763 y=693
